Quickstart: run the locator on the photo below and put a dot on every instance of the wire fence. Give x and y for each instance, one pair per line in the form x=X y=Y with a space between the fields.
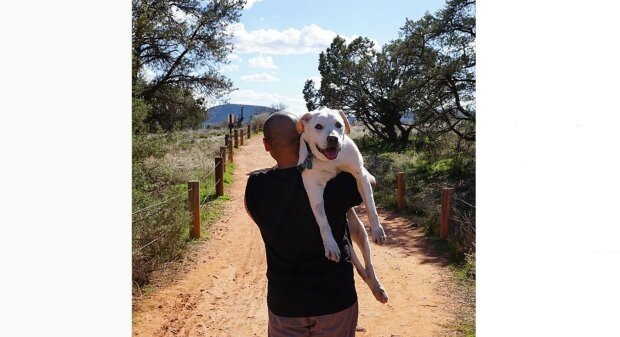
x=160 y=229
x=153 y=209
x=450 y=215
x=210 y=192
x=465 y=202
x=160 y=203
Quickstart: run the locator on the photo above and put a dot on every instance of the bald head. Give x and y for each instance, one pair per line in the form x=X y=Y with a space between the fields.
x=282 y=136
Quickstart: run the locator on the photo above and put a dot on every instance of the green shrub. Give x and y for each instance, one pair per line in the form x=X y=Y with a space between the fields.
x=430 y=164
x=162 y=165
x=159 y=234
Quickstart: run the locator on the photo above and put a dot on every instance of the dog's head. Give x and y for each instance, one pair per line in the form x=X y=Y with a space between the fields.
x=324 y=131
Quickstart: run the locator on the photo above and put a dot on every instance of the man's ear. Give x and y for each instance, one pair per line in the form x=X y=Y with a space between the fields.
x=302 y=121
x=266 y=145
x=347 y=127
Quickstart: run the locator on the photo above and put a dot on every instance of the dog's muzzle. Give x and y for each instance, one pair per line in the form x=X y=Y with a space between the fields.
x=329 y=152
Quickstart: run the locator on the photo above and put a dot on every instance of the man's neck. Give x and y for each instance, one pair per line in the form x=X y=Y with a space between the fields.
x=283 y=164
x=288 y=161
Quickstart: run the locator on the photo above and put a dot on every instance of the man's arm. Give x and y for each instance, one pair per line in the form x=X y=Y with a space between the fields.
x=245 y=204
x=249 y=187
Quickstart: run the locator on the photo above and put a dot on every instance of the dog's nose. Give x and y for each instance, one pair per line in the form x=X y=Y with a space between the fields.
x=332 y=141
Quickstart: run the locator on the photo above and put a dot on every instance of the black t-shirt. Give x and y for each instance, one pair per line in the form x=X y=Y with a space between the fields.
x=301 y=280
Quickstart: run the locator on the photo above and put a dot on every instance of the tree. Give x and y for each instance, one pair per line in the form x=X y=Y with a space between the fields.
x=180 y=43
x=448 y=100
x=366 y=83
x=311 y=96
x=423 y=81
x=279 y=106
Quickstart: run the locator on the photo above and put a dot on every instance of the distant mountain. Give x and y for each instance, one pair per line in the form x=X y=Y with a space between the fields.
x=220 y=113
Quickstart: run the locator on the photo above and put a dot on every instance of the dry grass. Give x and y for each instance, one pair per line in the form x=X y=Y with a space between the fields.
x=358 y=130
x=160 y=234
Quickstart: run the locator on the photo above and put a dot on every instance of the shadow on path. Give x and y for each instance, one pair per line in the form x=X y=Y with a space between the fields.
x=404 y=237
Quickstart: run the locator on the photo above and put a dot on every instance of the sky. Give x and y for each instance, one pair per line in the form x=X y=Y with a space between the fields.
x=277 y=42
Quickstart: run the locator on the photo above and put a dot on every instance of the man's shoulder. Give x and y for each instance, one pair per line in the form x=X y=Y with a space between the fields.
x=261 y=173
x=261 y=176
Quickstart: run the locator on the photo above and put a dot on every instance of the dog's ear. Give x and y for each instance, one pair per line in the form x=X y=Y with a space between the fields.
x=347 y=127
x=302 y=121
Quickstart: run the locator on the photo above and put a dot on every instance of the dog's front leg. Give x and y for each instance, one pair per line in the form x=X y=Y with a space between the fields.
x=363 y=185
x=315 y=196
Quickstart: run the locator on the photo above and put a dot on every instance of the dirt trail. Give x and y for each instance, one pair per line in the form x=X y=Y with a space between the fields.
x=224 y=291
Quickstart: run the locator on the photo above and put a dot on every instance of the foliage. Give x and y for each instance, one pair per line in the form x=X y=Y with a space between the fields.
x=423 y=81
x=259 y=118
x=158 y=235
x=162 y=165
x=427 y=171
x=176 y=47
x=279 y=106
x=447 y=102
x=175 y=108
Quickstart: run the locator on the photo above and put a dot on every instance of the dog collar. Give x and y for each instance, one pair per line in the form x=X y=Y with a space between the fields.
x=307 y=164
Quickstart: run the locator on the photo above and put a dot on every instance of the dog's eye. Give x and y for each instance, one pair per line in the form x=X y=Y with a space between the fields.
x=318 y=127
x=338 y=125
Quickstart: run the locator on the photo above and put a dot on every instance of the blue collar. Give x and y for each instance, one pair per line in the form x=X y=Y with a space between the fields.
x=307 y=164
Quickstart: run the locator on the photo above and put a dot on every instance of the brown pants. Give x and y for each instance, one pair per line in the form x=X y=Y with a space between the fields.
x=340 y=324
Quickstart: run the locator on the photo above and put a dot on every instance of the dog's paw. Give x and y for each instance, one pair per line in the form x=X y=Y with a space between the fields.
x=378 y=235
x=332 y=252
x=377 y=289
x=380 y=293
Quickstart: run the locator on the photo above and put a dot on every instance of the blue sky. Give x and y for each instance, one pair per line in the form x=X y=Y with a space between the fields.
x=277 y=42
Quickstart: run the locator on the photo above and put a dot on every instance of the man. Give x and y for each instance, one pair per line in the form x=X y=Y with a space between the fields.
x=306 y=293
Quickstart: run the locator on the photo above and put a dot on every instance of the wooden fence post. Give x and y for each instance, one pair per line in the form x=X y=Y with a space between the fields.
x=223 y=155
x=194 y=207
x=241 y=137
x=230 y=152
x=219 y=176
x=249 y=131
x=226 y=139
x=236 y=137
x=446 y=208
x=255 y=128
x=400 y=181
x=260 y=127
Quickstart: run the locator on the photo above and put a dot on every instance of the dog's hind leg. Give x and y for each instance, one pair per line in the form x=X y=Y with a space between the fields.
x=359 y=236
x=358 y=265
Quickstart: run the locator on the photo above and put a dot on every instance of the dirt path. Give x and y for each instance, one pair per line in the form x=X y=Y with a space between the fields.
x=224 y=291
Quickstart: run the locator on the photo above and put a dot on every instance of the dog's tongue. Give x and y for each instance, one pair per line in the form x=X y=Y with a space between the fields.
x=331 y=154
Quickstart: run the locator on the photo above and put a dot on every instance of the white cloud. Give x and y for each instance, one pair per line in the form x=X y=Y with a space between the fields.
x=310 y=39
x=262 y=77
x=295 y=104
x=229 y=68
x=265 y=62
x=234 y=57
x=250 y=3
x=148 y=74
x=181 y=16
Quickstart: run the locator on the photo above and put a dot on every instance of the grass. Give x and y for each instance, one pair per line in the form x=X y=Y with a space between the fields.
x=162 y=165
